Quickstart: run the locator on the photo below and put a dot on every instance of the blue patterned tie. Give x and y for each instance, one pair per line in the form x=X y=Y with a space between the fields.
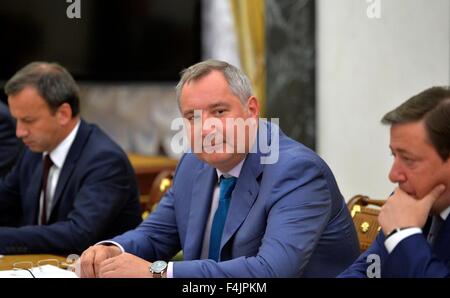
x=226 y=188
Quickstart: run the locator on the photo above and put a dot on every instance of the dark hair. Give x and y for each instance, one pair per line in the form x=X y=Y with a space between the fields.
x=52 y=81
x=433 y=107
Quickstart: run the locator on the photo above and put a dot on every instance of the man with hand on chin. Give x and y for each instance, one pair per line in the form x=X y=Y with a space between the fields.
x=415 y=237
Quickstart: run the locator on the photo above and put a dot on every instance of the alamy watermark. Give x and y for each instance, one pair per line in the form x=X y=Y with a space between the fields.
x=374 y=9
x=230 y=135
x=374 y=269
x=73 y=11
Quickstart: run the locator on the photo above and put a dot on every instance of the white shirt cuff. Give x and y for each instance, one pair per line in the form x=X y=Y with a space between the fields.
x=111 y=242
x=395 y=239
x=169 y=266
x=169 y=270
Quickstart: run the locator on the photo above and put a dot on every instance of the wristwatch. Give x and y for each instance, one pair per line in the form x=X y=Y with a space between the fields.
x=158 y=268
x=396 y=230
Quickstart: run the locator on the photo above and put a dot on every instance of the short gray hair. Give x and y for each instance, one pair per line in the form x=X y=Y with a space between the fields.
x=52 y=81
x=238 y=82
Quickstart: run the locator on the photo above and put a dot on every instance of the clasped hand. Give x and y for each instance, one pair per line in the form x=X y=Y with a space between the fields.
x=110 y=262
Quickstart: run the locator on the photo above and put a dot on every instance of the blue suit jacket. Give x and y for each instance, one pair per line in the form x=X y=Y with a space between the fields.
x=10 y=146
x=286 y=219
x=96 y=197
x=412 y=257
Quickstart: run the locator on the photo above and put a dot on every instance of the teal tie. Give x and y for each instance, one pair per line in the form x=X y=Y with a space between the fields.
x=226 y=188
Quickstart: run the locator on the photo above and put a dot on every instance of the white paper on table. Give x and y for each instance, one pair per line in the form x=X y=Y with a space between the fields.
x=45 y=271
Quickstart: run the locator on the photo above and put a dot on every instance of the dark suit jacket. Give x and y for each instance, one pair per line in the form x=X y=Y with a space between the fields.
x=286 y=219
x=96 y=197
x=412 y=257
x=10 y=146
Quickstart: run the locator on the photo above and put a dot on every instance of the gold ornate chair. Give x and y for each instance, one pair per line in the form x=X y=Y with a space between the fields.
x=147 y=169
x=160 y=186
x=364 y=212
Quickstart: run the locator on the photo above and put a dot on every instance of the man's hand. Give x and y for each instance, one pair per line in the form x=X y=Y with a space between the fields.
x=92 y=258
x=401 y=210
x=124 y=265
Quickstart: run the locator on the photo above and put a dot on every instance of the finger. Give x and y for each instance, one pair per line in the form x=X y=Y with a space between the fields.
x=87 y=262
x=433 y=195
x=106 y=268
x=107 y=273
x=110 y=274
x=100 y=256
x=397 y=191
x=107 y=262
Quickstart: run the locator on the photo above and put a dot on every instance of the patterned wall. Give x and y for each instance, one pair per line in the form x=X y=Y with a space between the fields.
x=290 y=35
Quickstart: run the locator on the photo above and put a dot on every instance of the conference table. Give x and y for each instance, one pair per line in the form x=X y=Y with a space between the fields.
x=7 y=261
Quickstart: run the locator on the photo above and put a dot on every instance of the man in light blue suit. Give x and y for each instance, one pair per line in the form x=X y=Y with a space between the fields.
x=415 y=236
x=285 y=215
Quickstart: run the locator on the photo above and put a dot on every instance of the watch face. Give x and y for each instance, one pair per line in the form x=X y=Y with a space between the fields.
x=158 y=266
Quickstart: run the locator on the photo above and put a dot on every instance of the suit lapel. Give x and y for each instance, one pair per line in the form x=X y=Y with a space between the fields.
x=247 y=186
x=71 y=159
x=202 y=192
x=34 y=191
x=64 y=176
x=427 y=226
x=243 y=196
x=442 y=241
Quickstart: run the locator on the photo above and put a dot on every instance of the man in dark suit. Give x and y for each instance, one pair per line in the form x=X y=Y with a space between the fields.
x=10 y=145
x=415 y=236
x=234 y=209
x=73 y=185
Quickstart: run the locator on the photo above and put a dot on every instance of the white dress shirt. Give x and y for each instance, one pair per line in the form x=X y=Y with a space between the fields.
x=395 y=239
x=58 y=156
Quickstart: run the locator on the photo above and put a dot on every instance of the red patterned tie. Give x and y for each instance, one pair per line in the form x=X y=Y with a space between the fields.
x=48 y=163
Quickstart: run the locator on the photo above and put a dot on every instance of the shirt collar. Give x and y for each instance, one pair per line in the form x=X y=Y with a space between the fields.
x=234 y=172
x=444 y=214
x=59 y=154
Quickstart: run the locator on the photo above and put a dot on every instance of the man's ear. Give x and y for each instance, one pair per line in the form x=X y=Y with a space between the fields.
x=64 y=114
x=253 y=106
